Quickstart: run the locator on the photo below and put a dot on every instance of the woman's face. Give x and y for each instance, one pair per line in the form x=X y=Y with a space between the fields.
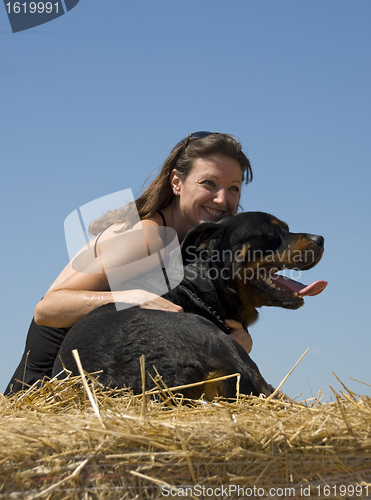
x=210 y=192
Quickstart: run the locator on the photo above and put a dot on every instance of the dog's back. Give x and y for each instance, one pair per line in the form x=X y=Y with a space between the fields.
x=184 y=348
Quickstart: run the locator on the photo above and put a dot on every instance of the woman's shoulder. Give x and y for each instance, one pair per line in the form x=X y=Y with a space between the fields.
x=153 y=221
x=116 y=231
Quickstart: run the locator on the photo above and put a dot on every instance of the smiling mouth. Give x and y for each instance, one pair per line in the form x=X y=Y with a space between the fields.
x=214 y=212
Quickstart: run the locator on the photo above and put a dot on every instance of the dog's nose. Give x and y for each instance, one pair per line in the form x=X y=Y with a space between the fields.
x=318 y=240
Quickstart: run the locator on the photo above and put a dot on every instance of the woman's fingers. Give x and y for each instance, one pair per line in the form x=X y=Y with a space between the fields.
x=161 y=304
x=235 y=325
x=239 y=334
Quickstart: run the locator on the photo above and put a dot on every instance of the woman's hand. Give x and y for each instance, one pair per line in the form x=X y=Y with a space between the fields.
x=161 y=304
x=145 y=300
x=239 y=334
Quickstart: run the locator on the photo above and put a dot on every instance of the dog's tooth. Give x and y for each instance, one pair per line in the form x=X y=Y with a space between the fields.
x=296 y=294
x=273 y=285
x=269 y=281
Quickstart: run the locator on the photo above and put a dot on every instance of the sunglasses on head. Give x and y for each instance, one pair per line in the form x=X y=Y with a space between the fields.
x=194 y=135
x=197 y=135
x=200 y=135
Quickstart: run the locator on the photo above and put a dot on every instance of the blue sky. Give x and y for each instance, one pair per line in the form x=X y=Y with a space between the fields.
x=93 y=102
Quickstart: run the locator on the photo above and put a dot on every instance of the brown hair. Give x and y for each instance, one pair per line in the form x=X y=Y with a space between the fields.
x=159 y=193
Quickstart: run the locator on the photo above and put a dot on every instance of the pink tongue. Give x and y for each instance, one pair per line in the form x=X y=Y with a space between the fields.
x=294 y=286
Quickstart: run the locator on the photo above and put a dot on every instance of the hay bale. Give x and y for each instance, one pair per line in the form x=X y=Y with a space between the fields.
x=54 y=444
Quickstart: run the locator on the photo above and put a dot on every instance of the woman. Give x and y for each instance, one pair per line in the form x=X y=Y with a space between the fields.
x=200 y=181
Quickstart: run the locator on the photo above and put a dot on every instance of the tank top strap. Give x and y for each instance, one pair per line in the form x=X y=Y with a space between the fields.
x=97 y=239
x=162 y=217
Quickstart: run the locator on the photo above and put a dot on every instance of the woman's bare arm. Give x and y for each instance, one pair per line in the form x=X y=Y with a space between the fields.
x=75 y=293
x=63 y=308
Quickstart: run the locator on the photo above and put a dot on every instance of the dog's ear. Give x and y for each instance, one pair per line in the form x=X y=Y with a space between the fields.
x=199 y=239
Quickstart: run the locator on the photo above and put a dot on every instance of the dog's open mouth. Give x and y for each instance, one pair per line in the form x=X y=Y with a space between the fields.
x=286 y=292
x=283 y=283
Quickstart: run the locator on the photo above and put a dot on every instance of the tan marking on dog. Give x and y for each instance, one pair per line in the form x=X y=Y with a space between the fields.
x=300 y=244
x=201 y=247
x=240 y=256
x=249 y=313
x=210 y=390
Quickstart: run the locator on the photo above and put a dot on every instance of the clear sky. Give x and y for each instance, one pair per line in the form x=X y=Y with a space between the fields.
x=93 y=102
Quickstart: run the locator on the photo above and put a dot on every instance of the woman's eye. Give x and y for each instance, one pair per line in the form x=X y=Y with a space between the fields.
x=235 y=188
x=208 y=183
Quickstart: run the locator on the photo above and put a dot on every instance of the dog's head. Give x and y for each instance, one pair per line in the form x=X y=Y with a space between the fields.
x=248 y=249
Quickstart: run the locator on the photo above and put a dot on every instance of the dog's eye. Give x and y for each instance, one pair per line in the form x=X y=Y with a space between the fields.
x=272 y=233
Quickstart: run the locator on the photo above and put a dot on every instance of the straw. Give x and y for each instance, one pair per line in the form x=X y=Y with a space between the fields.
x=53 y=444
x=86 y=386
x=269 y=398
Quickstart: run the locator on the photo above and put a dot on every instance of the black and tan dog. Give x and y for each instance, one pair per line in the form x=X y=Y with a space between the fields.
x=230 y=270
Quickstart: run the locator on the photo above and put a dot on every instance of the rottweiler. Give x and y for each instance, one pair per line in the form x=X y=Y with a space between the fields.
x=230 y=270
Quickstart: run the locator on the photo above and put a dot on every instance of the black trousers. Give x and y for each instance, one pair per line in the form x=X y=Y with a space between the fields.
x=42 y=345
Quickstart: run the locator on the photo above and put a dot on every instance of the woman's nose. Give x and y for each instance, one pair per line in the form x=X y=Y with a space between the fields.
x=221 y=197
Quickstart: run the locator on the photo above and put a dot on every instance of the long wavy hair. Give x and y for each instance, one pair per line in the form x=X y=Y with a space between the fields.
x=159 y=193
